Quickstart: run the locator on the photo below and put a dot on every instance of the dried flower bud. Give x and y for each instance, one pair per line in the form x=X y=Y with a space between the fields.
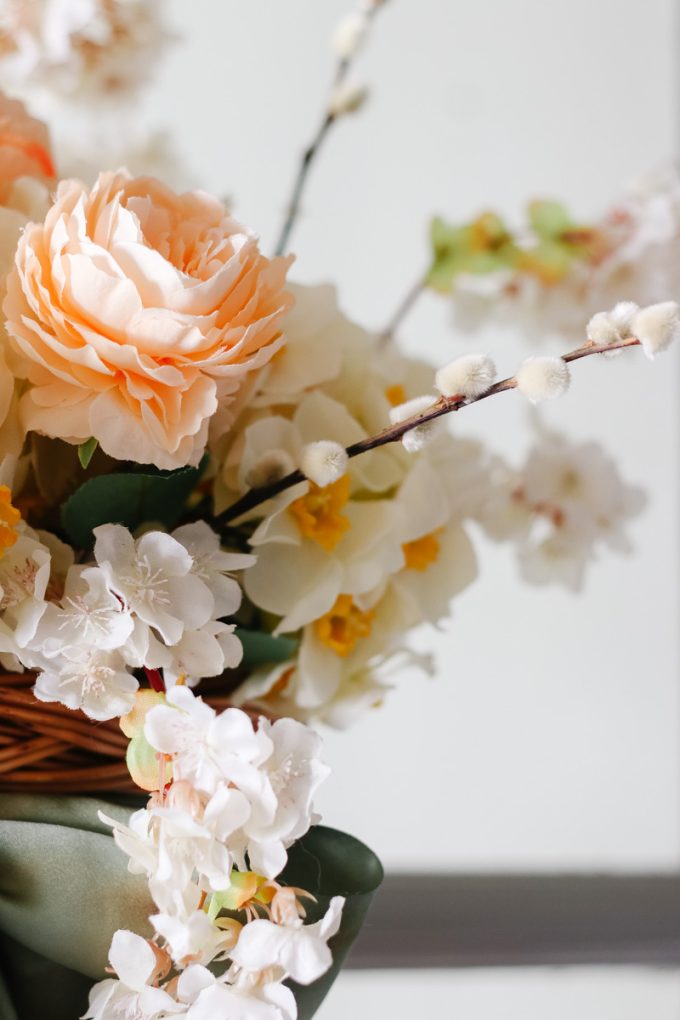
x=543 y=378
x=657 y=326
x=416 y=438
x=323 y=462
x=270 y=468
x=469 y=376
x=347 y=99
x=349 y=34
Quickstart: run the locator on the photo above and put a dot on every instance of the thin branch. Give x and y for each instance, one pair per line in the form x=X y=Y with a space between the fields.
x=393 y=433
x=300 y=181
x=403 y=309
x=342 y=69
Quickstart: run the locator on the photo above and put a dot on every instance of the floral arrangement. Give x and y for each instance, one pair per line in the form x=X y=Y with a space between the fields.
x=215 y=483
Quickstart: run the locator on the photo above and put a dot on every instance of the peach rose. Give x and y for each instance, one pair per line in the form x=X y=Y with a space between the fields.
x=135 y=314
x=24 y=146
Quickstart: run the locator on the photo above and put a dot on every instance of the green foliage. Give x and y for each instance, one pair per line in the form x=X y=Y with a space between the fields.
x=482 y=246
x=485 y=245
x=549 y=220
x=129 y=498
x=260 y=648
x=86 y=452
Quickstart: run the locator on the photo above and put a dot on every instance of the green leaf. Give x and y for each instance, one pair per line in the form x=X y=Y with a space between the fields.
x=260 y=648
x=86 y=452
x=127 y=498
x=549 y=220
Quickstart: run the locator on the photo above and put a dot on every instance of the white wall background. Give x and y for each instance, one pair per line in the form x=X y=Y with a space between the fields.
x=550 y=737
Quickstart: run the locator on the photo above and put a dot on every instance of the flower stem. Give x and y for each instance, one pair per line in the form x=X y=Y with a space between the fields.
x=403 y=309
x=393 y=433
x=300 y=181
x=342 y=69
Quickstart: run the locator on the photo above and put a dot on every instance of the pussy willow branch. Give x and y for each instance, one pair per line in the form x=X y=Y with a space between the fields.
x=342 y=70
x=393 y=433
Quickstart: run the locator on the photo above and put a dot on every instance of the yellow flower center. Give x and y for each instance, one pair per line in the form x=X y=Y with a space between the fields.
x=344 y=626
x=396 y=395
x=318 y=515
x=9 y=518
x=422 y=552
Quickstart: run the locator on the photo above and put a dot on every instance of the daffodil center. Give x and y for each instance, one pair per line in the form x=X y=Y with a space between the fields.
x=318 y=513
x=422 y=552
x=396 y=394
x=9 y=518
x=344 y=626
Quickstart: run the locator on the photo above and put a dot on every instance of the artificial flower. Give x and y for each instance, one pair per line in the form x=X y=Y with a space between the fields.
x=94 y=47
x=24 y=147
x=207 y=748
x=95 y=681
x=133 y=993
x=135 y=315
x=300 y=950
x=154 y=578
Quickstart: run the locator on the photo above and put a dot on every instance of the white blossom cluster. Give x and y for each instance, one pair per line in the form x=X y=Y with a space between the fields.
x=638 y=259
x=158 y=602
x=239 y=797
x=560 y=508
x=83 y=48
x=371 y=546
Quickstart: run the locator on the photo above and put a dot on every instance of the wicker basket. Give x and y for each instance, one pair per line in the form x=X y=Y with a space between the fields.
x=48 y=748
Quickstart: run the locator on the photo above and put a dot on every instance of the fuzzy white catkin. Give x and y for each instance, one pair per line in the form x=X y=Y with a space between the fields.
x=323 y=462
x=415 y=439
x=349 y=34
x=610 y=327
x=543 y=378
x=468 y=376
x=270 y=468
x=347 y=99
x=657 y=326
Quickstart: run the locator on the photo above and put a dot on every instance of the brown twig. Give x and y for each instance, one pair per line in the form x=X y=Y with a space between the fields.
x=393 y=433
x=341 y=72
x=403 y=309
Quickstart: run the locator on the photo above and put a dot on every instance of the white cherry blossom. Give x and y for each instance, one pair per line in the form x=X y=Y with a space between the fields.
x=201 y=653
x=242 y=1000
x=282 y=807
x=213 y=565
x=24 y=577
x=154 y=578
x=207 y=748
x=97 y=682
x=132 y=995
x=88 y=614
x=300 y=950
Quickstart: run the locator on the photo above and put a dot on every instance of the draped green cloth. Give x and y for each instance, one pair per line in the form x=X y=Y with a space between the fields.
x=65 y=888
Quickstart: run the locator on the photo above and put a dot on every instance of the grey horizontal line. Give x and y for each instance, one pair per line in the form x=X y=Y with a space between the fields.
x=521 y=920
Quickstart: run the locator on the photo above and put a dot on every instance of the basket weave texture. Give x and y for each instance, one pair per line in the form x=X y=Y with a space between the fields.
x=48 y=748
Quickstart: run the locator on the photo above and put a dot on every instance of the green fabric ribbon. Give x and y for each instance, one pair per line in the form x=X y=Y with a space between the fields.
x=65 y=888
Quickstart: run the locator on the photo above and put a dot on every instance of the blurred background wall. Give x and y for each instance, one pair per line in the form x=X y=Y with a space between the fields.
x=549 y=738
